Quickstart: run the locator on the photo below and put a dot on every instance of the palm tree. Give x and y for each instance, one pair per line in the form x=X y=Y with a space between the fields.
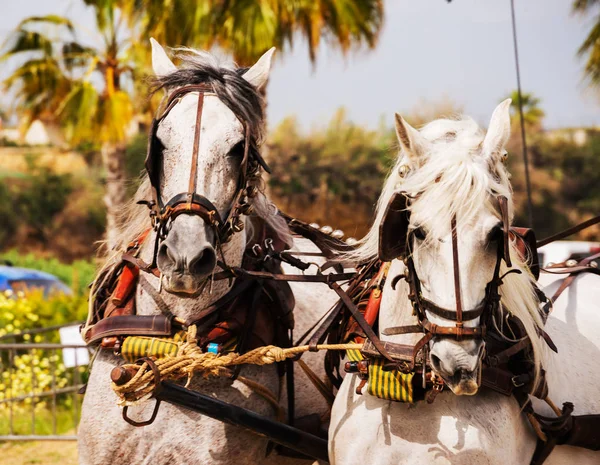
x=80 y=87
x=248 y=28
x=591 y=45
x=533 y=114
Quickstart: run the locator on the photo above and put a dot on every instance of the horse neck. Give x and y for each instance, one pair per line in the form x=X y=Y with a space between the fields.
x=186 y=308
x=396 y=308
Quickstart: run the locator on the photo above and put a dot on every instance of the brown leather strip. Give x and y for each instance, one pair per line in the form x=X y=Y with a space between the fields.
x=503 y=203
x=477 y=331
x=575 y=271
x=319 y=336
x=141 y=264
x=197 y=131
x=398 y=352
x=455 y=265
x=240 y=273
x=360 y=320
x=129 y=325
x=408 y=329
x=569 y=232
x=451 y=314
x=506 y=354
x=211 y=217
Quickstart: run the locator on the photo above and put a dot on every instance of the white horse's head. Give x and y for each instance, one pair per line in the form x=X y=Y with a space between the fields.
x=452 y=169
x=188 y=254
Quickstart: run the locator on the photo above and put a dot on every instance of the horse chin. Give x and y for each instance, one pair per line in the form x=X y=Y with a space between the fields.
x=184 y=284
x=465 y=387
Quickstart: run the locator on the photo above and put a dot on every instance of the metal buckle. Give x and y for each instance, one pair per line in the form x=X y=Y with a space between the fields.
x=516 y=383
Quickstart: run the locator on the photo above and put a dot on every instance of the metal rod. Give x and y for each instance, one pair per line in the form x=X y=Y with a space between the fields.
x=32 y=396
x=42 y=345
x=522 y=118
x=11 y=371
x=75 y=395
x=287 y=436
x=53 y=369
x=42 y=394
x=45 y=329
x=38 y=437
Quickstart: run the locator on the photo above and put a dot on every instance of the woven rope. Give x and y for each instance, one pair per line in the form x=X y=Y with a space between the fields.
x=190 y=359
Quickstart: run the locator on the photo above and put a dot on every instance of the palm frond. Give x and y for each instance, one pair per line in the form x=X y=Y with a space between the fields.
x=583 y=6
x=75 y=55
x=114 y=116
x=77 y=112
x=55 y=20
x=21 y=41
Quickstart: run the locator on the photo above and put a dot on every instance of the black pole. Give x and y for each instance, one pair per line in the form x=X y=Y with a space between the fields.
x=287 y=436
x=523 y=137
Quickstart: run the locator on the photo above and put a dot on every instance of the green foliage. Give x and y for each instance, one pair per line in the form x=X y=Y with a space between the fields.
x=577 y=168
x=590 y=49
x=46 y=197
x=533 y=115
x=565 y=180
x=135 y=154
x=10 y=218
x=54 y=78
x=248 y=29
x=35 y=371
x=342 y=166
x=76 y=275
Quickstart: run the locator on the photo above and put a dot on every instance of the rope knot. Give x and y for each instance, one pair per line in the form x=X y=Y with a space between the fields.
x=276 y=353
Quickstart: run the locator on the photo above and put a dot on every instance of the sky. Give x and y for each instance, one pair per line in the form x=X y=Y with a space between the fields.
x=428 y=50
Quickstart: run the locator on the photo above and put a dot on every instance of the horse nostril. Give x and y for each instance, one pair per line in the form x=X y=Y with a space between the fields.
x=204 y=262
x=165 y=257
x=435 y=362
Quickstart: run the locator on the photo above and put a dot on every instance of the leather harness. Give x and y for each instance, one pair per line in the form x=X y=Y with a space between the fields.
x=191 y=202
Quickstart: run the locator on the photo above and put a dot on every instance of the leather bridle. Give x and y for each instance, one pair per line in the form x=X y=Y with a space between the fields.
x=191 y=202
x=458 y=316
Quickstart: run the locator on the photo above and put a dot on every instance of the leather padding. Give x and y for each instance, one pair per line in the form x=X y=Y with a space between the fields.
x=393 y=231
x=527 y=246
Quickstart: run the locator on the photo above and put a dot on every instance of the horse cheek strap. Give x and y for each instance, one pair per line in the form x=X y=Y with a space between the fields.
x=393 y=230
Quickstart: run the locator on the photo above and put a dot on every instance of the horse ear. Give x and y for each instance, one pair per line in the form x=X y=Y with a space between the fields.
x=499 y=131
x=161 y=63
x=412 y=143
x=258 y=75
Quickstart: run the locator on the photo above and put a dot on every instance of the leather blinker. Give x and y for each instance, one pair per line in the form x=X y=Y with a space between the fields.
x=393 y=231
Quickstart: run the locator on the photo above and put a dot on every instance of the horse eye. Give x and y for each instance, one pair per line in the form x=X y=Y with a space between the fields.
x=237 y=151
x=420 y=233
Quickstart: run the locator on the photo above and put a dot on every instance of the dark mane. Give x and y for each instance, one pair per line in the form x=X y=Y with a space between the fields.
x=242 y=98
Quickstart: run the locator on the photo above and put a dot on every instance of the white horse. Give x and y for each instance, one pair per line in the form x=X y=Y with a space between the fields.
x=185 y=259
x=457 y=170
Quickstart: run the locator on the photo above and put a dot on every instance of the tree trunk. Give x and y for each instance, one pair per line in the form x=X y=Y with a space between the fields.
x=113 y=158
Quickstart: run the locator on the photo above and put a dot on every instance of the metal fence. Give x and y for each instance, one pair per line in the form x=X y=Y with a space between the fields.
x=39 y=387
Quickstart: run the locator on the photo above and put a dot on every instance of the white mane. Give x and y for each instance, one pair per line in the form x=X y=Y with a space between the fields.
x=454 y=179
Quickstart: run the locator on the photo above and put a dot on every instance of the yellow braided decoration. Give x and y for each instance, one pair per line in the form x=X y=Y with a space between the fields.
x=190 y=359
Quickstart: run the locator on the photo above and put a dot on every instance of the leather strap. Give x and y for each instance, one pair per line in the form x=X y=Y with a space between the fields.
x=450 y=314
x=197 y=131
x=569 y=232
x=503 y=204
x=360 y=320
x=456 y=269
x=130 y=325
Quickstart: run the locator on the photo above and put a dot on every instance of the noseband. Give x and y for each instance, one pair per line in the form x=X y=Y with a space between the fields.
x=190 y=202
x=421 y=305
